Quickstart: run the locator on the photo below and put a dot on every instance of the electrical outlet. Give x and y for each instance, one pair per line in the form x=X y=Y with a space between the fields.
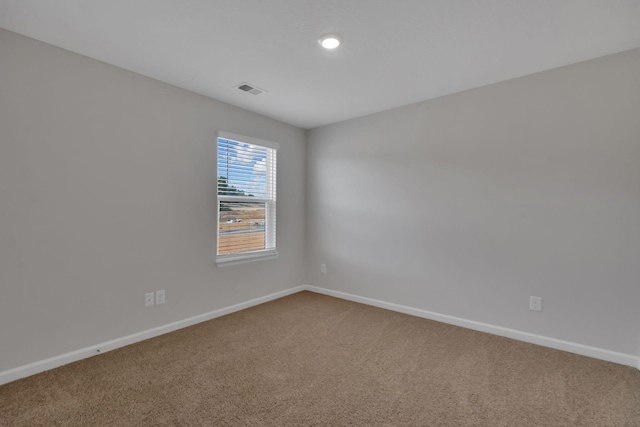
x=148 y=299
x=323 y=268
x=160 y=297
x=535 y=303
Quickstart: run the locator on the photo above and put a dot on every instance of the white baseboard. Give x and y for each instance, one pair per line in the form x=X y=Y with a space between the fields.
x=63 y=359
x=571 y=347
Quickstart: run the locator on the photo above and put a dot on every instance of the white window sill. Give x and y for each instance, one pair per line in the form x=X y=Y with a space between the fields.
x=226 y=260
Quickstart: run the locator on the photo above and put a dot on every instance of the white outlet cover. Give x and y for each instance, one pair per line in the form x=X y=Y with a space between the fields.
x=160 y=297
x=148 y=299
x=535 y=303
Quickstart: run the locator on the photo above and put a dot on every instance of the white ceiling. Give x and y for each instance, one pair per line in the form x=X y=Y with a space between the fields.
x=395 y=52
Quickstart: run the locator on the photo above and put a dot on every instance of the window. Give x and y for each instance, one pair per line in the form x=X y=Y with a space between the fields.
x=246 y=199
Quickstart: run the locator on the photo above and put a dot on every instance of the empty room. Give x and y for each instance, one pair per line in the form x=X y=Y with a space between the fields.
x=320 y=213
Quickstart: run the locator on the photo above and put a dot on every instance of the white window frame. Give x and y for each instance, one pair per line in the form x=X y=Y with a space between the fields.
x=270 y=205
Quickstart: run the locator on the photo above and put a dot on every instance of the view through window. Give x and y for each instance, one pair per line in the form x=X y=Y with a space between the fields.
x=246 y=196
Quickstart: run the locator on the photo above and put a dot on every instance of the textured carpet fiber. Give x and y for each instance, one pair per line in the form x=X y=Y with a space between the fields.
x=313 y=360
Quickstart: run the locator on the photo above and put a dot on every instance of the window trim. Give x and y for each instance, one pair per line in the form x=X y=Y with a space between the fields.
x=234 y=259
x=243 y=257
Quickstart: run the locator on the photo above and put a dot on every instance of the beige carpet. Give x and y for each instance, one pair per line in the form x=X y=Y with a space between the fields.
x=312 y=360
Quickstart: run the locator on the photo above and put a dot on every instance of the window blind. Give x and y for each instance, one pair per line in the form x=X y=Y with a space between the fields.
x=246 y=197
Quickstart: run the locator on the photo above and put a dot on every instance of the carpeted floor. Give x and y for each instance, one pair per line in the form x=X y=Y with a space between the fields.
x=313 y=360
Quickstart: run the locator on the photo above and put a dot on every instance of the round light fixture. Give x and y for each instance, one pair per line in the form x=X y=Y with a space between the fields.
x=330 y=41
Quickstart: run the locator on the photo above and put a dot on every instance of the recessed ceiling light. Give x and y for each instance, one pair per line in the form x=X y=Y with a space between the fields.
x=330 y=41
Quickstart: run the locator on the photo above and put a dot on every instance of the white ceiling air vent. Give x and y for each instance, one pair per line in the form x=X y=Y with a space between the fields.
x=249 y=88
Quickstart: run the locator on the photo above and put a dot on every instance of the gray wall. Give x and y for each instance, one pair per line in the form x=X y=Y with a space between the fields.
x=468 y=204
x=107 y=191
x=463 y=205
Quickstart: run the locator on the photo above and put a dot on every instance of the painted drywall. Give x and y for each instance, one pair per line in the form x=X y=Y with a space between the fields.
x=468 y=204
x=107 y=191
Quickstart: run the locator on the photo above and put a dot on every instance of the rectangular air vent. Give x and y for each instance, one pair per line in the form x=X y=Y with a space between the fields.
x=249 y=88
